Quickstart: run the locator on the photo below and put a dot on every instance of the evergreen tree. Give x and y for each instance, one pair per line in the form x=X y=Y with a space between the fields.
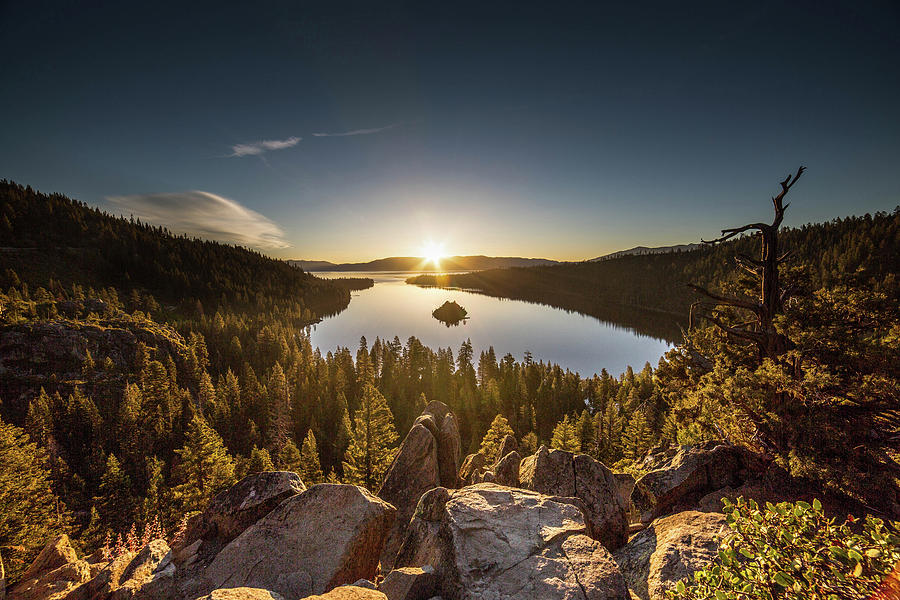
x=565 y=436
x=586 y=436
x=490 y=444
x=205 y=469
x=310 y=470
x=30 y=513
x=115 y=500
x=260 y=460
x=289 y=458
x=638 y=436
x=373 y=441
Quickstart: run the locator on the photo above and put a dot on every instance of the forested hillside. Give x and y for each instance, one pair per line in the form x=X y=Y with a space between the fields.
x=862 y=247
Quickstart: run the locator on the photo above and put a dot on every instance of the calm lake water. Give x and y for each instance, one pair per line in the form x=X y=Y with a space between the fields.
x=395 y=308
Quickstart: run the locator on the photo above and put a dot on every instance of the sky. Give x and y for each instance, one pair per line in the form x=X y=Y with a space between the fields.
x=353 y=131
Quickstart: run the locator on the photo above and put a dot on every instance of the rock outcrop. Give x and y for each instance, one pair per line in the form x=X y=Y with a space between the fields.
x=472 y=469
x=671 y=549
x=233 y=510
x=506 y=471
x=327 y=536
x=428 y=458
x=560 y=473
x=410 y=583
x=242 y=593
x=692 y=472
x=350 y=592
x=55 y=572
x=489 y=541
x=438 y=418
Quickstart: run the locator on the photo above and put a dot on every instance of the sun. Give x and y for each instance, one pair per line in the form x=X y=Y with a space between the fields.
x=433 y=253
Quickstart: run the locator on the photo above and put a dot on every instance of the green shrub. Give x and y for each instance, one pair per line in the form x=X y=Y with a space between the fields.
x=791 y=551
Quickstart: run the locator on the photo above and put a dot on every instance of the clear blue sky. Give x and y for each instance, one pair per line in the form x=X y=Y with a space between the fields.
x=562 y=130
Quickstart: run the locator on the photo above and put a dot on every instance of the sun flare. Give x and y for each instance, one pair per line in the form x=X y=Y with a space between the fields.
x=433 y=253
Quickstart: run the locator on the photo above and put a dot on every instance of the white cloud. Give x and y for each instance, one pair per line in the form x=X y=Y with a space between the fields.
x=263 y=146
x=358 y=131
x=204 y=215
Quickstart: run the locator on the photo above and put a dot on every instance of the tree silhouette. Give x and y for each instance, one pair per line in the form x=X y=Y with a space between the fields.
x=761 y=329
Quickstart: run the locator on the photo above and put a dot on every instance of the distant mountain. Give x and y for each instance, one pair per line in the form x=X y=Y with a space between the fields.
x=415 y=263
x=642 y=250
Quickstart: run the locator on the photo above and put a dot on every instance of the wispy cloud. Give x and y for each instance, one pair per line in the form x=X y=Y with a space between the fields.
x=358 y=131
x=263 y=146
x=204 y=215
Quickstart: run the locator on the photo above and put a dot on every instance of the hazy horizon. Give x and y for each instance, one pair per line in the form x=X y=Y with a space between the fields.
x=357 y=132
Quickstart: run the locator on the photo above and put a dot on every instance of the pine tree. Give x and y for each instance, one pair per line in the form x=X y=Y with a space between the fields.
x=289 y=458
x=30 y=513
x=638 y=436
x=310 y=470
x=260 y=460
x=372 y=442
x=565 y=436
x=115 y=499
x=490 y=444
x=586 y=437
x=205 y=469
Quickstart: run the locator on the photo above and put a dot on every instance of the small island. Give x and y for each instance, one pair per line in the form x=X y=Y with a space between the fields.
x=450 y=313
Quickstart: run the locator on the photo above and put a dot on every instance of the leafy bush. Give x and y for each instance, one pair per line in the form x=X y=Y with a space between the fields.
x=791 y=551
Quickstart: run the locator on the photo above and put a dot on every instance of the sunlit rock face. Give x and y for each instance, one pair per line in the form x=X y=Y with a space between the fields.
x=670 y=550
x=561 y=473
x=327 y=536
x=428 y=458
x=489 y=541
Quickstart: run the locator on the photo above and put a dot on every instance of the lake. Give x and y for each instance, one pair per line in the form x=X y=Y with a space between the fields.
x=574 y=341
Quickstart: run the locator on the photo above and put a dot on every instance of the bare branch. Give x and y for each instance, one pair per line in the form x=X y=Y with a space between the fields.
x=723 y=300
x=727 y=234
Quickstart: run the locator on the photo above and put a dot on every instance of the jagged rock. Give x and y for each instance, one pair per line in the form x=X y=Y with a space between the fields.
x=233 y=510
x=150 y=575
x=489 y=541
x=670 y=549
x=509 y=444
x=626 y=486
x=506 y=471
x=413 y=472
x=410 y=583
x=56 y=553
x=473 y=468
x=438 y=418
x=364 y=583
x=349 y=592
x=241 y=593
x=54 y=584
x=327 y=536
x=53 y=574
x=560 y=473
x=690 y=474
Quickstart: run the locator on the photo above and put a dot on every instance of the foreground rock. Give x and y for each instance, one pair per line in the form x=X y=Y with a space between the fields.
x=234 y=510
x=55 y=572
x=410 y=583
x=559 y=473
x=692 y=472
x=493 y=542
x=427 y=459
x=670 y=550
x=242 y=593
x=325 y=537
x=350 y=592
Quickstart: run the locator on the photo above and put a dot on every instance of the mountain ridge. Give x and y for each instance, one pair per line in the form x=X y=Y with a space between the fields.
x=417 y=263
